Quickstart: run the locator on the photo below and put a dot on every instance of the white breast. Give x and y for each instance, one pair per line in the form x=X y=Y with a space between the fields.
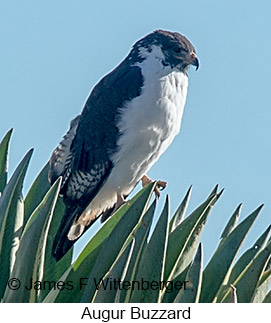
x=148 y=124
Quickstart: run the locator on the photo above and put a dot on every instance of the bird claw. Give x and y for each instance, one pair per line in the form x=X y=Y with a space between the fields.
x=160 y=185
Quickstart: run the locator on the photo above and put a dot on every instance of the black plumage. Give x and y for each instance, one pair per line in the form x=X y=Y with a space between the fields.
x=88 y=165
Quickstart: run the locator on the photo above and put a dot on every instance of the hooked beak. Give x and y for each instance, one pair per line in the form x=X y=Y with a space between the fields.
x=194 y=60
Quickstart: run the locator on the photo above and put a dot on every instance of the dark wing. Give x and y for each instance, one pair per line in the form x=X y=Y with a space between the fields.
x=61 y=156
x=87 y=163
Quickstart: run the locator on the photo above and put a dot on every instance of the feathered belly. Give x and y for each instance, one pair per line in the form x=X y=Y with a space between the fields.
x=137 y=157
x=147 y=126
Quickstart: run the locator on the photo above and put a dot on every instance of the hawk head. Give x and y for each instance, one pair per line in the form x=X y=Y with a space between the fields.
x=172 y=48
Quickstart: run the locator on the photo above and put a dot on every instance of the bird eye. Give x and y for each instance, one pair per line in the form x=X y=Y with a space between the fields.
x=177 y=50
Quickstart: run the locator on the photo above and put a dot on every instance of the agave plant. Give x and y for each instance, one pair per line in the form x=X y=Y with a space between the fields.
x=125 y=261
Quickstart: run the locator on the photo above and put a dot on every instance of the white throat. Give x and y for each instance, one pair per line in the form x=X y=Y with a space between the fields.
x=152 y=65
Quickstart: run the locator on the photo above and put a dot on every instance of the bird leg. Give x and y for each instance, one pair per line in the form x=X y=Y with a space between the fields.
x=119 y=203
x=160 y=185
x=109 y=212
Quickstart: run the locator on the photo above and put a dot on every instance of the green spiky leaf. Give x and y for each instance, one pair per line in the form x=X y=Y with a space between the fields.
x=262 y=288
x=117 y=272
x=53 y=270
x=36 y=192
x=11 y=220
x=193 y=281
x=191 y=246
x=154 y=252
x=251 y=274
x=219 y=266
x=231 y=225
x=4 y=148
x=85 y=263
x=180 y=212
x=140 y=238
x=30 y=255
x=113 y=244
x=179 y=238
x=248 y=255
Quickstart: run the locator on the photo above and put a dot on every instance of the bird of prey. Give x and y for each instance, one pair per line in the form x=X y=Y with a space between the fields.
x=129 y=119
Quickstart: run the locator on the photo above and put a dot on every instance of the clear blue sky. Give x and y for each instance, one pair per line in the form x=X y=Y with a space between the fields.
x=53 y=53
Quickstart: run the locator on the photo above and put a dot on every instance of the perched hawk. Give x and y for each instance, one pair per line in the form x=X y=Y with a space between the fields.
x=130 y=118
